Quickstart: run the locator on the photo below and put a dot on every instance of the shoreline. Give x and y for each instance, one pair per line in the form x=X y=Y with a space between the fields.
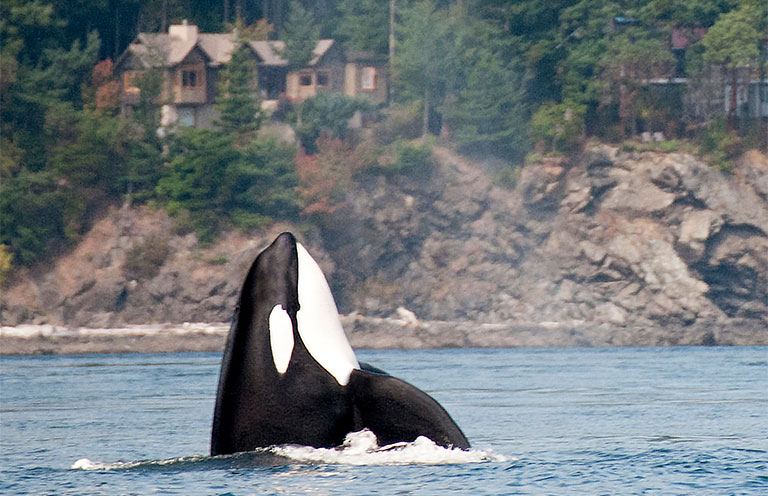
x=374 y=333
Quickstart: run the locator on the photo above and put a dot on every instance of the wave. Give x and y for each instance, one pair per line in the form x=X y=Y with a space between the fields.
x=359 y=448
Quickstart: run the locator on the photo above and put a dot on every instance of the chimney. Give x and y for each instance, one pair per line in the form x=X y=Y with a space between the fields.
x=183 y=31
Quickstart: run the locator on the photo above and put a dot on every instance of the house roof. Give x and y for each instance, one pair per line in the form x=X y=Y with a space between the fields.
x=169 y=49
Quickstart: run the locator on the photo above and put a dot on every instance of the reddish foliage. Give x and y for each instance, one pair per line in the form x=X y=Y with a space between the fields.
x=325 y=177
x=107 y=87
x=103 y=72
x=107 y=95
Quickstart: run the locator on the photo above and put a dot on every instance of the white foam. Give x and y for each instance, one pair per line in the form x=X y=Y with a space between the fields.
x=361 y=448
x=86 y=464
x=318 y=321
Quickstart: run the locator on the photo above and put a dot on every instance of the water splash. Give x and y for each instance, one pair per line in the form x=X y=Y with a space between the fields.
x=359 y=448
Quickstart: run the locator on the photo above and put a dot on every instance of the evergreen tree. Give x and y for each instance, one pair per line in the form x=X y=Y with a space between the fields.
x=195 y=185
x=238 y=103
x=488 y=116
x=364 y=25
x=300 y=35
x=425 y=63
x=486 y=113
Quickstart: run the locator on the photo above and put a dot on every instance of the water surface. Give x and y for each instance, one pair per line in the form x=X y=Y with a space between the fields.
x=541 y=421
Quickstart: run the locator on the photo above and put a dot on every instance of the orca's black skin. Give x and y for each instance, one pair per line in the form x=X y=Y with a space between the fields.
x=258 y=407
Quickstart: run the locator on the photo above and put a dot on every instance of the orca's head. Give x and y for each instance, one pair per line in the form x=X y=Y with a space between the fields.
x=287 y=291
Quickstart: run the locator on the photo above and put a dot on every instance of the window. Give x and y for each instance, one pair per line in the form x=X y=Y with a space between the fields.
x=131 y=80
x=188 y=79
x=322 y=79
x=305 y=79
x=369 y=78
x=186 y=116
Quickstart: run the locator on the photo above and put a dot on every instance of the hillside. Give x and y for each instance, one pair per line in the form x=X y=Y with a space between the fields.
x=628 y=243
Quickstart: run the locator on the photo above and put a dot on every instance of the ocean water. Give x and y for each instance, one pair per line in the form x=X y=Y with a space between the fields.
x=651 y=421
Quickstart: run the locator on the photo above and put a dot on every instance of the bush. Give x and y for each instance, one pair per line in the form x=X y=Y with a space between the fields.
x=558 y=127
x=6 y=264
x=507 y=177
x=721 y=146
x=413 y=160
x=143 y=261
x=401 y=122
x=324 y=178
x=327 y=113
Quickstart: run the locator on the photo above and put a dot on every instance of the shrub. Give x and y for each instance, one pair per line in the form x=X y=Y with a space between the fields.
x=507 y=177
x=721 y=146
x=413 y=160
x=327 y=113
x=325 y=177
x=558 y=127
x=401 y=122
x=143 y=260
x=6 y=263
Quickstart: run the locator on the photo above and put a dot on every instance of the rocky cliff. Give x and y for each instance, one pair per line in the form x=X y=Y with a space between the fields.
x=640 y=239
x=611 y=238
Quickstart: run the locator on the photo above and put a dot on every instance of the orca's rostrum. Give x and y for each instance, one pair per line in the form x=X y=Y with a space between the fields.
x=289 y=375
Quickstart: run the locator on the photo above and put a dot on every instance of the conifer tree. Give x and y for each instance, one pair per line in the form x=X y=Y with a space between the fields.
x=238 y=103
x=300 y=35
x=364 y=25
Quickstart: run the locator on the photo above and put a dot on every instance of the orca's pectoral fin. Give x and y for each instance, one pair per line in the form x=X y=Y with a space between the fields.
x=396 y=411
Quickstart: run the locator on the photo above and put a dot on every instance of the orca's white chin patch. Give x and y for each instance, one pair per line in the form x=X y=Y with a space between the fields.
x=280 y=337
x=318 y=321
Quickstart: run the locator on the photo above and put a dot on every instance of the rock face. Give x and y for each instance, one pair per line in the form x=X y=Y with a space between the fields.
x=616 y=238
x=114 y=276
x=608 y=239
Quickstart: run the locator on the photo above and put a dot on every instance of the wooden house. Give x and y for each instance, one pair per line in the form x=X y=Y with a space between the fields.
x=191 y=61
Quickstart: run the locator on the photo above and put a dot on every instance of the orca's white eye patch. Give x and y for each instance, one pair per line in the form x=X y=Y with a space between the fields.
x=280 y=337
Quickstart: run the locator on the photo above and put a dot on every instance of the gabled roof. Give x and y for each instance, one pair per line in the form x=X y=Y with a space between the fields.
x=165 y=49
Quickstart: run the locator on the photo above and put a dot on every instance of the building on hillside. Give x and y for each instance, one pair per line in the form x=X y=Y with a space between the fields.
x=191 y=62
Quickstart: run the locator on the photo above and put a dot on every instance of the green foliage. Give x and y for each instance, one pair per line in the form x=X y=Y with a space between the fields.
x=364 y=25
x=326 y=113
x=720 y=145
x=425 y=62
x=264 y=182
x=218 y=259
x=402 y=121
x=212 y=184
x=196 y=179
x=488 y=117
x=558 y=127
x=37 y=215
x=95 y=160
x=629 y=61
x=507 y=177
x=6 y=264
x=143 y=260
x=238 y=103
x=300 y=36
x=732 y=41
x=413 y=160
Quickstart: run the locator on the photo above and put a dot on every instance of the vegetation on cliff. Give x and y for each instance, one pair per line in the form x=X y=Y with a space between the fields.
x=497 y=78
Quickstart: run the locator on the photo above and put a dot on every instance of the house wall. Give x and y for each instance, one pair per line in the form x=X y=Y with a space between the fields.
x=366 y=80
x=188 y=80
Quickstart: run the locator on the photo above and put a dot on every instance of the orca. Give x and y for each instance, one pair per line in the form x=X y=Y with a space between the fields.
x=289 y=375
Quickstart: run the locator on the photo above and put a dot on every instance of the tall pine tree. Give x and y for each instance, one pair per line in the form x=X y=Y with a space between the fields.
x=238 y=102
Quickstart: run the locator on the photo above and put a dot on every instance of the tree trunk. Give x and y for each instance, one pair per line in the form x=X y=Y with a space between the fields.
x=731 y=120
x=425 y=125
x=391 y=92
